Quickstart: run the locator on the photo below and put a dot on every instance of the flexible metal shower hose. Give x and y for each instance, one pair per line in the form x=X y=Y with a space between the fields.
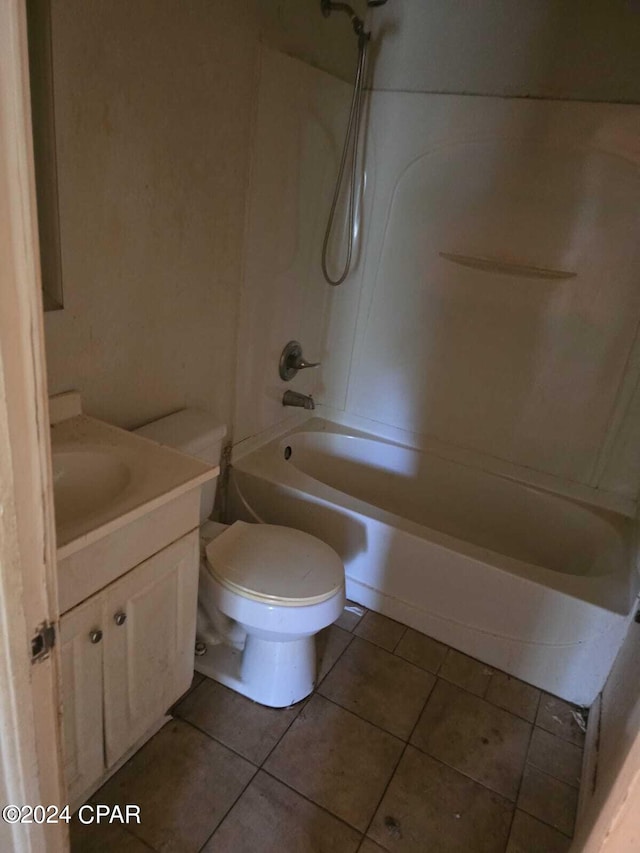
x=350 y=144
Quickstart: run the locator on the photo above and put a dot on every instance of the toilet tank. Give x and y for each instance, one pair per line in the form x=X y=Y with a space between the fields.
x=196 y=433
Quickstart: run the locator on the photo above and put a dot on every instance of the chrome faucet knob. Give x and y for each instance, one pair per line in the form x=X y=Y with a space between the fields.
x=292 y=360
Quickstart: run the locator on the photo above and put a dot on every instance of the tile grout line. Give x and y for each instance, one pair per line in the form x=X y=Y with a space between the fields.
x=188 y=692
x=407 y=743
x=441 y=664
x=482 y=784
x=548 y=772
x=507 y=711
x=550 y=825
x=226 y=814
x=314 y=803
x=560 y=737
x=524 y=768
x=486 y=689
x=351 y=630
x=137 y=838
x=394 y=655
x=363 y=719
x=494 y=671
x=176 y=716
x=462 y=772
x=438 y=678
x=489 y=702
x=304 y=704
x=331 y=668
x=218 y=741
x=400 y=638
x=260 y=767
x=553 y=734
x=542 y=820
x=239 y=755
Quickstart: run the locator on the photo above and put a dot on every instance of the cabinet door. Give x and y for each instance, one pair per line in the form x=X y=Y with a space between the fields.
x=81 y=653
x=149 y=617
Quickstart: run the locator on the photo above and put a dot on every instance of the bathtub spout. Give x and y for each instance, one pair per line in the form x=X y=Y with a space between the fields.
x=294 y=398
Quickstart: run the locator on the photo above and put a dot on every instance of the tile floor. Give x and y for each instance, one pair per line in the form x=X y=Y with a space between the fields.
x=406 y=745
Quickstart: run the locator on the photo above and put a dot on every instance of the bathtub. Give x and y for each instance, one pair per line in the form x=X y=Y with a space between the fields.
x=535 y=584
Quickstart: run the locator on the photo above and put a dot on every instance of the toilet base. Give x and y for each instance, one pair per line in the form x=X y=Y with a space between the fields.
x=277 y=674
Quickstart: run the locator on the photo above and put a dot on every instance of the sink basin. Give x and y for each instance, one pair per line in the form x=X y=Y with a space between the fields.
x=86 y=481
x=106 y=479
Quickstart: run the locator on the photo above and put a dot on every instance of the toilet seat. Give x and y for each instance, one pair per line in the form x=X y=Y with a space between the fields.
x=274 y=564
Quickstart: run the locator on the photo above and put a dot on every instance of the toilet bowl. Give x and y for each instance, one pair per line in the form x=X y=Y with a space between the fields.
x=265 y=591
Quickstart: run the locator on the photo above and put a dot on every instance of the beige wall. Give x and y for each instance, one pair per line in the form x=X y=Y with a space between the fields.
x=154 y=104
x=547 y=48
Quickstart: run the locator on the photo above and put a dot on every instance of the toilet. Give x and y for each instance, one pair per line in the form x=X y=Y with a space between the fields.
x=264 y=592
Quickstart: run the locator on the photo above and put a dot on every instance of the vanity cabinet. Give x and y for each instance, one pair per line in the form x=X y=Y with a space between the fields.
x=127 y=656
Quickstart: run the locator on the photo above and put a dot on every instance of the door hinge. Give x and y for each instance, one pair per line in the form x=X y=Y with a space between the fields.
x=43 y=641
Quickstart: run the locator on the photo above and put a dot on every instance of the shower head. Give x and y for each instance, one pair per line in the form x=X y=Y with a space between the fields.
x=328 y=6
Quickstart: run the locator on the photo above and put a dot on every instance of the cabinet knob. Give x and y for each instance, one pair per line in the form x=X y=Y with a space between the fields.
x=95 y=636
x=120 y=617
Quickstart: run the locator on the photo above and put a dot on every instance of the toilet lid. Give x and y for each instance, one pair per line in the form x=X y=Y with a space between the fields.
x=275 y=564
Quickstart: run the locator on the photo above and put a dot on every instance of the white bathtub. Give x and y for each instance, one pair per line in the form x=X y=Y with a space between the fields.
x=538 y=585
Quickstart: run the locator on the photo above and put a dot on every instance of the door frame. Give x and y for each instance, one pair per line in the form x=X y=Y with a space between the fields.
x=31 y=764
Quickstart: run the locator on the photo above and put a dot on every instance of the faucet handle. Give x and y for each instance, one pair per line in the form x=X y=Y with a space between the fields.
x=292 y=360
x=301 y=364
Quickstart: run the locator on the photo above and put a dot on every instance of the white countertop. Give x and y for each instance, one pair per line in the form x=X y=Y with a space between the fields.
x=147 y=476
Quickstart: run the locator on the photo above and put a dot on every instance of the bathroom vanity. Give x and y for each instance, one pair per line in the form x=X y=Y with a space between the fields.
x=127 y=513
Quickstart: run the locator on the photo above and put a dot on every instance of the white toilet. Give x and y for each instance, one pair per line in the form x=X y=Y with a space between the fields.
x=265 y=591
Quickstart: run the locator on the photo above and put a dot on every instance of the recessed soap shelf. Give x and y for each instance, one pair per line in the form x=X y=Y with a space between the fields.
x=506 y=267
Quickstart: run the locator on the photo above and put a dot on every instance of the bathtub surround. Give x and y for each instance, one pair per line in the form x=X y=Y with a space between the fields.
x=561 y=410
x=539 y=373
x=528 y=377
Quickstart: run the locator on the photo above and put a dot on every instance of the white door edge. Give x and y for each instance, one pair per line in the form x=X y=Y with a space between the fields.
x=30 y=743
